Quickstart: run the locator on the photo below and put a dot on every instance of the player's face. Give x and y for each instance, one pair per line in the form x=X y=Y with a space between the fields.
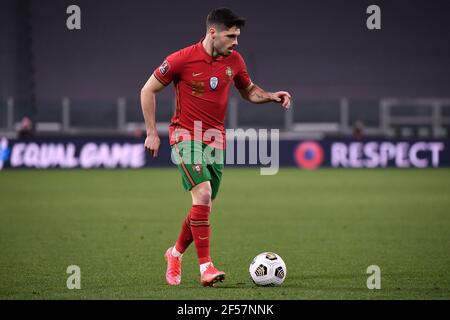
x=225 y=41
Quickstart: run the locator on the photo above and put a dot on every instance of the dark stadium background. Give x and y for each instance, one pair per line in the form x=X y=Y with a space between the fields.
x=316 y=50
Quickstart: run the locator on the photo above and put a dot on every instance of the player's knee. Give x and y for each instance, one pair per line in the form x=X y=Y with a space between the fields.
x=203 y=196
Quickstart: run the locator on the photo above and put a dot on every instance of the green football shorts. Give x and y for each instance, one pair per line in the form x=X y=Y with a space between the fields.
x=198 y=163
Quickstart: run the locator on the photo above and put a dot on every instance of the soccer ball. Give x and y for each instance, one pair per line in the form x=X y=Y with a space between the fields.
x=268 y=269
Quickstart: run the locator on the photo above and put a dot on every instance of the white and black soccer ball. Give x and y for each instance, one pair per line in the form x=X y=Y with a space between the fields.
x=268 y=269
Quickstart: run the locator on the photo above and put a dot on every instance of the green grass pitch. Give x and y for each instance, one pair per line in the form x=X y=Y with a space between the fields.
x=328 y=225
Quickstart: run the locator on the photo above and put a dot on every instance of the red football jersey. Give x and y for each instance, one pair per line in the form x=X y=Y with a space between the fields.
x=202 y=86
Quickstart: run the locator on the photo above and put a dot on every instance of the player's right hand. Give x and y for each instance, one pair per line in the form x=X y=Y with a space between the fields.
x=152 y=144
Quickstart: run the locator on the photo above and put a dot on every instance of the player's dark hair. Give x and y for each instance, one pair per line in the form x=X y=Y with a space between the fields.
x=224 y=17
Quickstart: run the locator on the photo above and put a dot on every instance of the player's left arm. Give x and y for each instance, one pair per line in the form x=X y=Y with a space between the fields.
x=255 y=94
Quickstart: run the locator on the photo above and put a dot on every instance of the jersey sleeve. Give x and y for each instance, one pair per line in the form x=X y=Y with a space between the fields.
x=169 y=69
x=241 y=78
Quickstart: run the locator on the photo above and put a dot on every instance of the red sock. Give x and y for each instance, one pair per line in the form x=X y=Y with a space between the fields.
x=185 y=237
x=199 y=217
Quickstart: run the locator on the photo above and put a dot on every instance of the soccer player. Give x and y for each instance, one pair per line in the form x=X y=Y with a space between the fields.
x=202 y=75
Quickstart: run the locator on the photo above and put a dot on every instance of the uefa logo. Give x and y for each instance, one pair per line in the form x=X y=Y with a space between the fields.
x=308 y=155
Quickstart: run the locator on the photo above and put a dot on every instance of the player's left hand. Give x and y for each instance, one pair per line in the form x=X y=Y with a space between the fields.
x=282 y=97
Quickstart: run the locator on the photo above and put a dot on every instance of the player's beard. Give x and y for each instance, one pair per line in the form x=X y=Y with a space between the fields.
x=224 y=50
x=227 y=51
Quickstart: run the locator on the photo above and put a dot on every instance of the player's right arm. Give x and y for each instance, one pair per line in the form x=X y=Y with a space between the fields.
x=148 y=104
x=161 y=77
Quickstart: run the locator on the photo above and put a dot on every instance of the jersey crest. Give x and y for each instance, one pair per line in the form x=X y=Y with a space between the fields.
x=229 y=72
x=197 y=168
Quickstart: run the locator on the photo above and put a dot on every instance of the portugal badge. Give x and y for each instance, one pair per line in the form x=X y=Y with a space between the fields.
x=229 y=72
x=197 y=168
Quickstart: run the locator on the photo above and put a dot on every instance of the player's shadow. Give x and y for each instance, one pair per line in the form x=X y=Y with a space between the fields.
x=237 y=285
x=249 y=285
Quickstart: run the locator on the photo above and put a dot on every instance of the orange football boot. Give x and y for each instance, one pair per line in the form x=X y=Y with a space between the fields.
x=212 y=275
x=173 y=273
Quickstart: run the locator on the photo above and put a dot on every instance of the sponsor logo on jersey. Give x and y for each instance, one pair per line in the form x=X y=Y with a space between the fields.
x=213 y=82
